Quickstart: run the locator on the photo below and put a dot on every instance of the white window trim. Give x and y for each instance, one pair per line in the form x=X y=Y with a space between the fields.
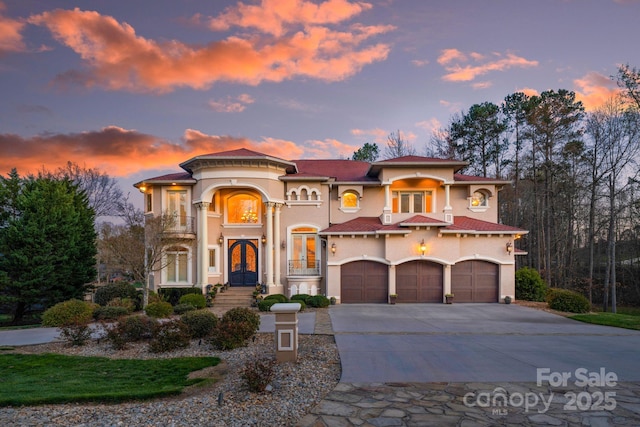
x=165 y=278
x=165 y=198
x=479 y=208
x=260 y=212
x=216 y=269
x=350 y=209
x=424 y=191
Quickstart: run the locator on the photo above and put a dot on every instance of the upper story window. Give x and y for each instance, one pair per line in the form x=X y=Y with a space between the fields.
x=350 y=200
x=243 y=208
x=479 y=201
x=148 y=202
x=412 y=201
x=177 y=205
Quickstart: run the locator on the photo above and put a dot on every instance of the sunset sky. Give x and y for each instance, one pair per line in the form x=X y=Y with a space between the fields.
x=135 y=88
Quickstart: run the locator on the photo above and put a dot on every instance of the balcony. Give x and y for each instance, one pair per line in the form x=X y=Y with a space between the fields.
x=182 y=226
x=303 y=267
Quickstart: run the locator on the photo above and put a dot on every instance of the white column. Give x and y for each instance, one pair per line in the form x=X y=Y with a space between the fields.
x=202 y=263
x=275 y=244
x=448 y=210
x=268 y=251
x=386 y=211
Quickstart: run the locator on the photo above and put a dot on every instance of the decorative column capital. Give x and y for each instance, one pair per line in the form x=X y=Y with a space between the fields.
x=202 y=205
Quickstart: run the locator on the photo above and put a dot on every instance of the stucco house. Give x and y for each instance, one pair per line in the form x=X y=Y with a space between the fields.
x=357 y=231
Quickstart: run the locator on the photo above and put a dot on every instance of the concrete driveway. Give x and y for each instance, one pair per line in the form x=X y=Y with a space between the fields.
x=473 y=343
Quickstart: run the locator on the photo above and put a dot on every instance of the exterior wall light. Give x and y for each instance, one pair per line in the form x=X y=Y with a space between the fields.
x=283 y=244
x=333 y=248
x=142 y=188
x=221 y=239
x=264 y=239
x=509 y=247
x=423 y=247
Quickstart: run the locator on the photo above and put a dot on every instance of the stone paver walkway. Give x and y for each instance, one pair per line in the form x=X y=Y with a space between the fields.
x=471 y=404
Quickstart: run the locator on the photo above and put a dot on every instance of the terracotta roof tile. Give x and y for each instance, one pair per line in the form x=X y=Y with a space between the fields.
x=341 y=170
x=363 y=224
x=180 y=176
x=421 y=219
x=466 y=224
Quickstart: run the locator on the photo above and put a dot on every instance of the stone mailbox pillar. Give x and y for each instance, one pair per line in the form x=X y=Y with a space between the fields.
x=286 y=331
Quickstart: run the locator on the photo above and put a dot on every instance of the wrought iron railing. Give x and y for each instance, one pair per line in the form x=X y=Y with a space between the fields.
x=181 y=225
x=303 y=267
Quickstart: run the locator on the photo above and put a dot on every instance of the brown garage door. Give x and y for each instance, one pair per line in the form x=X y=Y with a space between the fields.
x=419 y=281
x=364 y=282
x=474 y=281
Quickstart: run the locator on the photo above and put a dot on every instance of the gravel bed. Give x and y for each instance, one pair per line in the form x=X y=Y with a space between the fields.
x=296 y=389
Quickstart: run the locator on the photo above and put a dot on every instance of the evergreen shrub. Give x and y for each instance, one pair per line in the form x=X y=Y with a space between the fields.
x=529 y=285
x=566 y=300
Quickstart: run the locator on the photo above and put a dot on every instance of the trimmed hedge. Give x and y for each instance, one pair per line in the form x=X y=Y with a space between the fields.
x=108 y=292
x=183 y=308
x=169 y=336
x=200 y=323
x=277 y=297
x=566 y=300
x=529 y=285
x=242 y=314
x=265 y=304
x=319 y=301
x=159 y=309
x=110 y=313
x=68 y=313
x=173 y=295
x=301 y=297
x=196 y=300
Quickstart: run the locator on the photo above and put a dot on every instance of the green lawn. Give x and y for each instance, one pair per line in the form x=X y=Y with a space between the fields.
x=51 y=378
x=620 y=320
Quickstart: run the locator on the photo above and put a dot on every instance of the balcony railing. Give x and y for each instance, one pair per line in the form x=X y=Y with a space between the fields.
x=302 y=267
x=181 y=225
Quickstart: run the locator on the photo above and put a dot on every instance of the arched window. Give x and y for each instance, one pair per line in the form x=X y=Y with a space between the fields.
x=350 y=200
x=479 y=200
x=243 y=208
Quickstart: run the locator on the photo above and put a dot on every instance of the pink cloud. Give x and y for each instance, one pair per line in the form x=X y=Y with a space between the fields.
x=595 y=89
x=378 y=135
x=10 y=33
x=117 y=58
x=452 y=60
x=529 y=91
x=328 y=149
x=121 y=152
x=274 y=16
x=451 y=55
x=430 y=125
x=482 y=85
x=231 y=105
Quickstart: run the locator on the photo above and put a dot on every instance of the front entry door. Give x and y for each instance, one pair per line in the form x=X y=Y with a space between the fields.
x=243 y=262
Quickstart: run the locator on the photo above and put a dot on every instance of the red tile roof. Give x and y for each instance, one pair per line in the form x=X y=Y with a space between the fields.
x=180 y=176
x=422 y=220
x=417 y=159
x=364 y=225
x=340 y=170
x=463 y=224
